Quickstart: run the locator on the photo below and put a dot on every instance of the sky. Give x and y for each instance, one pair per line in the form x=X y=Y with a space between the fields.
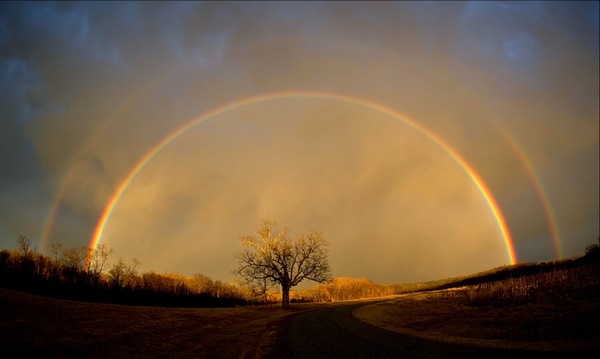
x=411 y=134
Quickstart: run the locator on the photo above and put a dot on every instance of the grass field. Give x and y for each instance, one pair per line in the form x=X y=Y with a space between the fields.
x=33 y=326
x=557 y=310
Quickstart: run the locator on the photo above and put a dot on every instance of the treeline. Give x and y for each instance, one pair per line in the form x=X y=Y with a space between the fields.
x=84 y=274
x=343 y=288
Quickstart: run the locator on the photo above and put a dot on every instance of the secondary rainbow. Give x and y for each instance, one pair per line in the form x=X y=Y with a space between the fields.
x=539 y=190
x=479 y=183
x=79 y=162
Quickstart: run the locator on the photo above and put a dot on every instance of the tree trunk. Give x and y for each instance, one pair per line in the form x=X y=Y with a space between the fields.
x=285 y=293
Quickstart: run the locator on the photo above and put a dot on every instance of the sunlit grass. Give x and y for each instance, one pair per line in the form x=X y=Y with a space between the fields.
x=555 y=286
x=546 y=307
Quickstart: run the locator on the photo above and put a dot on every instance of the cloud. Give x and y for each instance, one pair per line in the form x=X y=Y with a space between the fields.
x=368 y=183
x=88 y=88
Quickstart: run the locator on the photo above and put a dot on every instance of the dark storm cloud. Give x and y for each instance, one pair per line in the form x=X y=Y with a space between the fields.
x=87 y=88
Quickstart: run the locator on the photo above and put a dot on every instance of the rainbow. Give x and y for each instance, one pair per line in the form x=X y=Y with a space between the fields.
x=539 y=190
x=147 y=157
x=79 y=162
x=74 y=169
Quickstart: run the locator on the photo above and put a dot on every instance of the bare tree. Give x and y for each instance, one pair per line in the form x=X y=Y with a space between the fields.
x=74 y=264
x=202 y=284
x=26 y=262
x=24 y=246
x=96 y=261
x=273 y=258
x=55 y=249
x=122 y=275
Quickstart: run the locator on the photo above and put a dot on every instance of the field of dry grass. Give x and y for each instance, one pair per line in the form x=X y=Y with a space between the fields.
x=566 y=327
x=33 y=326
x=553 y=311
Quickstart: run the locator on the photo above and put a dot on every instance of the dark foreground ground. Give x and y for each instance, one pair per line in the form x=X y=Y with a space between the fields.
x=32 y=326
x=335 y=332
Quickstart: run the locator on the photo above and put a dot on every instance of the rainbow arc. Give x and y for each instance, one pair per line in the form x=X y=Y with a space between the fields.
x=152 y=152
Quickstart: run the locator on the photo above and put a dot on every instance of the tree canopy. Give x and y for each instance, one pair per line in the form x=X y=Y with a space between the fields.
x=271 y=258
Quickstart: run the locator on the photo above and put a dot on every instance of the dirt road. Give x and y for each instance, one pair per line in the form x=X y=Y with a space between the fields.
x=332 y=332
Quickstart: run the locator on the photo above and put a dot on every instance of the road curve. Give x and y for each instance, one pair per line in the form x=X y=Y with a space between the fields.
x=332 y=332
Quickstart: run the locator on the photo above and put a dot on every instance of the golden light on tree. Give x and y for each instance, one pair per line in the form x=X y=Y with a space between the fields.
x=272 y=258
